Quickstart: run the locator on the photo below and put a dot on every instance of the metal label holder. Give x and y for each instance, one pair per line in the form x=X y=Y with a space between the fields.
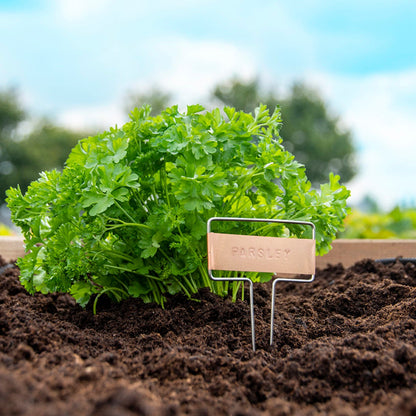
x=250 y=253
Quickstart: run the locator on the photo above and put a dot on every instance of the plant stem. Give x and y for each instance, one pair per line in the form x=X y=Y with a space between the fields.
x=108 y=289
x=125 y=212
x=126 y=224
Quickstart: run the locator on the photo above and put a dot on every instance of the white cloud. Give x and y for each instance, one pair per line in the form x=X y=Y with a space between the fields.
x=186 y=68
x=96 y=12
x=380 y=110
x=89 y=118
x=190 y=68
x=77 y=10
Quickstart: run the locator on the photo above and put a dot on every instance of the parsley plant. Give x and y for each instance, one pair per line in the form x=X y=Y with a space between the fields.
x=127 y=215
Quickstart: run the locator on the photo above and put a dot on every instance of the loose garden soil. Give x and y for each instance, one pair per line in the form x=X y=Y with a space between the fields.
x=344 y=345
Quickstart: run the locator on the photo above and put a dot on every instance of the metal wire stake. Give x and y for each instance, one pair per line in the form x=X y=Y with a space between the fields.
x=253 y=330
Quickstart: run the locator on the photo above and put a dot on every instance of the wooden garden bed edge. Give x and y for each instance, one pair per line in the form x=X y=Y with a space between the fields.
x=344 y=251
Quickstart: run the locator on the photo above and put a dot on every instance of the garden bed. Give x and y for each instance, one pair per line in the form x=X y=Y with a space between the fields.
x=344 y=345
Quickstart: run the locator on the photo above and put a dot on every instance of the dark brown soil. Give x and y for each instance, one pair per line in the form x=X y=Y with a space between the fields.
x=344 y=345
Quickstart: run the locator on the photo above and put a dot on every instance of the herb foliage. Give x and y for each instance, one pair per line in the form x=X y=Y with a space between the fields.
x=127 y=215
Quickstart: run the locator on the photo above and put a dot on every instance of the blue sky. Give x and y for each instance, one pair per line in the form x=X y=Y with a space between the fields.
x=75 y=61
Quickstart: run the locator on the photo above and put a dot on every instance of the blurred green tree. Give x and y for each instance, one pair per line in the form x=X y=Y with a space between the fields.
x=243 y=96
x=46 y=147
x=11 y=114
x=309 y=131
x=22 y=157
x=155 y=97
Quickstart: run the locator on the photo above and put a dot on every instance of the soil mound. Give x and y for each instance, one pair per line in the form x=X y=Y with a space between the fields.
x=344 y=345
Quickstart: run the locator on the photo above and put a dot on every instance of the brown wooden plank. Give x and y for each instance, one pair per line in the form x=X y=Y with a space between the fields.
x=349 y=251
x=346 y=251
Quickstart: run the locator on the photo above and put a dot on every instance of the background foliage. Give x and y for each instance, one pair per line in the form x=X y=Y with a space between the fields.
x=44 y=146
x=397 y=223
